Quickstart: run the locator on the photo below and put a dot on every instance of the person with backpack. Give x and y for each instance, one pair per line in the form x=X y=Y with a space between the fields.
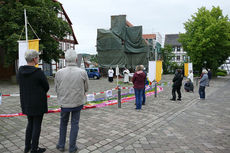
x=177 y=83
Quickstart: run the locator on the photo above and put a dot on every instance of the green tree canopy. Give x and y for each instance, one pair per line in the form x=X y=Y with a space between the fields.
x=207 y=38
x=42 y=16
x=167 y=55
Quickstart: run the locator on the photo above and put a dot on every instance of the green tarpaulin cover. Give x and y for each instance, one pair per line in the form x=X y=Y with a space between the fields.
x=121 y=45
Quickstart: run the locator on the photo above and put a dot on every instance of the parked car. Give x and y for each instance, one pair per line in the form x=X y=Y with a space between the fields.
x=93 y=73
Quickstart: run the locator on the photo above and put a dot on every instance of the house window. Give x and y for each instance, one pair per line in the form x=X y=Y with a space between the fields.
x=178 y=58
x=173 y=48
x=178 y=48
x=150 y=41
x=60 y=46
x=67 y=46
x=184 y=57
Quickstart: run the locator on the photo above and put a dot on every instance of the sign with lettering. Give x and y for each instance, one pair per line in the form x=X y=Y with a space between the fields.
x=90 y=97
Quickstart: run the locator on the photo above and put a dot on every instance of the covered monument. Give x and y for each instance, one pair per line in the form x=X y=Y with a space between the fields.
x=121 y=45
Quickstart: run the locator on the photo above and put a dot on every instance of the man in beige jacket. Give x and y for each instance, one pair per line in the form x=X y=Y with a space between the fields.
x=71 y=85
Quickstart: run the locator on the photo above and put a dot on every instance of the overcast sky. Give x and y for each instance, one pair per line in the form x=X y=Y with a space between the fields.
x=163 y=16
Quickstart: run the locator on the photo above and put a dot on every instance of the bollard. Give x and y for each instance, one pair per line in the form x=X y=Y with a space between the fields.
x=197 y=81
x=156 y=89
x=119 y=97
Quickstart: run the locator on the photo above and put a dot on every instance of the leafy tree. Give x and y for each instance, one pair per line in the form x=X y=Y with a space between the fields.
x=42 y=16
x=166 y=54
x=94 y=58
x=207 y=38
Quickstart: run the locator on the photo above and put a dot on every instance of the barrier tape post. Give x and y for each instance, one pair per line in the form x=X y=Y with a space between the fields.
x=119 y=97
x=197 y=81
x=0 y=98
x=155 y=89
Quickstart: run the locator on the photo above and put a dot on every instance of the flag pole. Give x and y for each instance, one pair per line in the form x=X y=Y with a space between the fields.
x=26 y=29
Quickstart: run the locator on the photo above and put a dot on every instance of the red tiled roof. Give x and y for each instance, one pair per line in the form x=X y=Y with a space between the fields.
x=69 y=21
x=129 y=24
x=149 y=36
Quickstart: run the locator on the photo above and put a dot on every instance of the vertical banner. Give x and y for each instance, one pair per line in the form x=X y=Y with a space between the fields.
x=190 y=68
x=34 y=44
x=22 y=48
x=117 y=70
x=152 y=71
x=186 y=69
x=117 y=73
x=158 y=70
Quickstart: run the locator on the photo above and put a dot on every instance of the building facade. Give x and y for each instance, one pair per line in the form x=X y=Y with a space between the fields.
x=68 y=42
x=180 y=55
x=155 y=43
x=226 y=66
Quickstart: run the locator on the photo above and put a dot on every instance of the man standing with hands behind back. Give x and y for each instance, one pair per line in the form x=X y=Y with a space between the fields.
x=71 y=85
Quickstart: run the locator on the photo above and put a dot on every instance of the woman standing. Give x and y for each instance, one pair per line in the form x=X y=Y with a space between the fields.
x=33 y=88
x=203 y=82
x=139 y=84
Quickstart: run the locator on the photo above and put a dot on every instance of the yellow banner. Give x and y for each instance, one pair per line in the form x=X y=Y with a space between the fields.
x=186 y=69
x=34 y=44
x=158 y=70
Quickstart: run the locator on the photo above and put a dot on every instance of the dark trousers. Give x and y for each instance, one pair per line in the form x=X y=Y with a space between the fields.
x=202 y=92
x=110 y=79
x=75 y=117
x=174 y=90
x=33 y=131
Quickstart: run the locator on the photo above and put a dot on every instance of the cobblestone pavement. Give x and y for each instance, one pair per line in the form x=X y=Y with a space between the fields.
x=162 y=126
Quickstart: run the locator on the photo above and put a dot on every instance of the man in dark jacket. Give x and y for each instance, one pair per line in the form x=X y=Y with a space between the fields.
x=33 y=88
x=177 y=82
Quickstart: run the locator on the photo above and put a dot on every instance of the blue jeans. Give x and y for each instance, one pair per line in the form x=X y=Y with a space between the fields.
x=138 y=95
x=75 y=117
x=202 y=92
x=143 y=102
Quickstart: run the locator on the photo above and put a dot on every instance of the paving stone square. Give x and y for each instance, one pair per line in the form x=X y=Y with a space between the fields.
x=162 y=126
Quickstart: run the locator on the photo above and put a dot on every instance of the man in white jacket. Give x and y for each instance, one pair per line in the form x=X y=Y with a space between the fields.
x=190 y=76
x=71 y=85
x=110 y=74
x=126 y=75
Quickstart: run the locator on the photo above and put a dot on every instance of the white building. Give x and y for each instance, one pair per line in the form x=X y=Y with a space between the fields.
x=179 y=54
x=68 y=42
x=226 y=66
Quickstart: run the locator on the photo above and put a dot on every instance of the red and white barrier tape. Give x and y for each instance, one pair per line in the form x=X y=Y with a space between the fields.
x=54 y=96
x=112 y=102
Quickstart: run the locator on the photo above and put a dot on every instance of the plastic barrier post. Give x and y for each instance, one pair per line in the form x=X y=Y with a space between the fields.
x=155 y=89
x=119 y=97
